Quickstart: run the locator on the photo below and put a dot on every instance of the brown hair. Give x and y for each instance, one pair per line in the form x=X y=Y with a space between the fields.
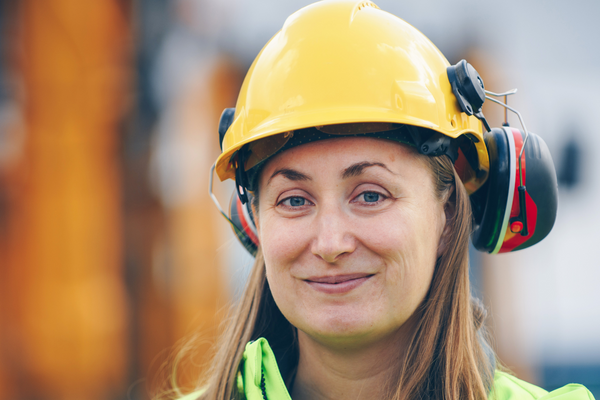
x=446 y=357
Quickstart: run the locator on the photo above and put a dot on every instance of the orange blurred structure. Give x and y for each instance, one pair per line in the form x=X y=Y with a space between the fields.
x=189 y=274
x=63 y=299
x=98 y=279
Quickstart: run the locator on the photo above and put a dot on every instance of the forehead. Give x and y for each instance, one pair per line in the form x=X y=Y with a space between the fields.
x=339 y=153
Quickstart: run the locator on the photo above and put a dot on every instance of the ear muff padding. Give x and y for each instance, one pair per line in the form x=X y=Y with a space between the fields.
x=243 y=220
x=489 y=202
x=542 y=186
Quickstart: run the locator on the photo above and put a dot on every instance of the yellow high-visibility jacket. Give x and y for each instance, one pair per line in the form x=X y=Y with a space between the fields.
x=260 y=380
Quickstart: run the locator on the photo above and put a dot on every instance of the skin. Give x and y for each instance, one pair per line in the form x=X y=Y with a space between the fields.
x=350 y=230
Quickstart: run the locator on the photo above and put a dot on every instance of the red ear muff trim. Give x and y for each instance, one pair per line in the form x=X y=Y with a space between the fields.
x=243 y=223
x=542 y=189
x=247 y=221
x=511 y=239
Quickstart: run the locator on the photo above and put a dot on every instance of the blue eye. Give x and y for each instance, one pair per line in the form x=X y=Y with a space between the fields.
x=294 y=202
x=371 y=197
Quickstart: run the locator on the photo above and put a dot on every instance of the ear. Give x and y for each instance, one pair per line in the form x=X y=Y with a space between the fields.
x=448 y=218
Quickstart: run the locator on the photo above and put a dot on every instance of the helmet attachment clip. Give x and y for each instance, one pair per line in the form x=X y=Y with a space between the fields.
x=469 y=90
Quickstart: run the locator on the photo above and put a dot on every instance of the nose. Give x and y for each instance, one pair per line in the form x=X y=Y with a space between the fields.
x=334 y=237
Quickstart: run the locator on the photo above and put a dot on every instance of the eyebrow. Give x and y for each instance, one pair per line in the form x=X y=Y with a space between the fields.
x=358 y=168
x=351 y=171
x=290 y=174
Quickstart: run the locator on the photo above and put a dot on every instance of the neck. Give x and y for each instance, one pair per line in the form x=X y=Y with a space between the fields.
x=338 y=372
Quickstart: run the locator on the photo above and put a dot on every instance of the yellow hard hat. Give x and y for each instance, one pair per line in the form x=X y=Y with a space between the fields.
x=346 y=62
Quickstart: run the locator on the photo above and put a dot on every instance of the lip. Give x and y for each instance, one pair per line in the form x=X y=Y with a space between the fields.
x=338 y=284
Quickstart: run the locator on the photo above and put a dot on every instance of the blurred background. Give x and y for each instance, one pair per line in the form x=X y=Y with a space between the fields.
x=111 y=252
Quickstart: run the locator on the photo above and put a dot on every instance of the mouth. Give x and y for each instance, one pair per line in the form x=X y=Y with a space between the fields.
x=338 y=284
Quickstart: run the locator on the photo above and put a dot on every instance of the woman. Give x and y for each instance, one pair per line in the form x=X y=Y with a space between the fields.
x=350 y=143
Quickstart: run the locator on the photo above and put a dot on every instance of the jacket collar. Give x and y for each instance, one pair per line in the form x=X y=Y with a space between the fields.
x=261 y=378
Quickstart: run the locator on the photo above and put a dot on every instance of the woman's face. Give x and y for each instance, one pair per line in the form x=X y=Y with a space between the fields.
x=350 y=230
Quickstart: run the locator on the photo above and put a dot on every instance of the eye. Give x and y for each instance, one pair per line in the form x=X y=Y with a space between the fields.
x=294 y=201
x=371 y=197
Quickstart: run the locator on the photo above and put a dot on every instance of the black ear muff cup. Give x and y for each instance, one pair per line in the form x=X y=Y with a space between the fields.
x=224 y=123
x=489 y=202
x=542 y=186
x=243 y=221
x=490 y=205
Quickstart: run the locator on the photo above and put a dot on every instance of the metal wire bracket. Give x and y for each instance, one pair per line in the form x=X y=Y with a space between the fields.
x=216 y=201
x=506 y=108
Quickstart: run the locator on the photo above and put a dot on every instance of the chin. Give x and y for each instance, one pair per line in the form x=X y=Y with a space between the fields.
x=342 y=327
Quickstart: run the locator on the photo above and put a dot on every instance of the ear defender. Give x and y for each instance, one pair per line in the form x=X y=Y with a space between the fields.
x=224 y=123
x=243 y=223
x=227 y=117
x=503 y=222
x=516 y=207
x=240 y=213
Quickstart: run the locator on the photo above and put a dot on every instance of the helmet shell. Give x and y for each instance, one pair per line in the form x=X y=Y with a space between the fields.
x=346 y=61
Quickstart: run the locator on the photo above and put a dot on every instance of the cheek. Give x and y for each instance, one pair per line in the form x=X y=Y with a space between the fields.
x=409 y=242
x=284 y=288
x=406 y=235
x=275 y=244
x=282 y=241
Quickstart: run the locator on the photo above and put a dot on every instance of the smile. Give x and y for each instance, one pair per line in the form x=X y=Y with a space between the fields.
x=338 y=284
